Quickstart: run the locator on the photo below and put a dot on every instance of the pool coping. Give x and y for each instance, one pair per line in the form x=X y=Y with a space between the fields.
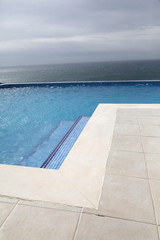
x=80 y=179
x=67 y=83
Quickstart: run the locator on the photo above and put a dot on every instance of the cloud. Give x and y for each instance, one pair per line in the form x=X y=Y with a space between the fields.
x=78 y=28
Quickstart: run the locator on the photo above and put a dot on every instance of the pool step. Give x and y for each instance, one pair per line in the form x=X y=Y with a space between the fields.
x=56 y=158
x=42 y=152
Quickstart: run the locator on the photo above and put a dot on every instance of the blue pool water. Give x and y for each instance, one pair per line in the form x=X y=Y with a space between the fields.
x=29 y=113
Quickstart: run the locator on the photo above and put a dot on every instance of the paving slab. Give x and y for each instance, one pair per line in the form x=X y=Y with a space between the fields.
x=127 y=164
x=149 y=120
x=126 y=198
x=151 y=144
x=150 y=130
x=28 y=222
x=5 y=210
x=126 y=143
x=105 y=228
x=127 y=129
x=153 y=165
x=142 y=111
x=126 y=119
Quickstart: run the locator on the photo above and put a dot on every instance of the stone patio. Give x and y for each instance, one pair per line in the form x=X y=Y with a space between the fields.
x=129 y=207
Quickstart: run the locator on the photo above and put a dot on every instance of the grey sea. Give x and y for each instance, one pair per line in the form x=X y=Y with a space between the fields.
x=100 y=71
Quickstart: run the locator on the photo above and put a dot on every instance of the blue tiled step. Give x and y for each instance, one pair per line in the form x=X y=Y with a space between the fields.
x=56 y=158
x=42 y=152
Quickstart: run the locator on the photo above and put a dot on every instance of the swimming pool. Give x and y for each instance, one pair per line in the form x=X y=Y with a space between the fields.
x=30 y=114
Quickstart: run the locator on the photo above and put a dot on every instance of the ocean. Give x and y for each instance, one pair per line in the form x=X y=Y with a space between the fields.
x=100 y=71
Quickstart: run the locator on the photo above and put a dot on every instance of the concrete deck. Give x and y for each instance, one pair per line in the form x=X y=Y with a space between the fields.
x=121 y=201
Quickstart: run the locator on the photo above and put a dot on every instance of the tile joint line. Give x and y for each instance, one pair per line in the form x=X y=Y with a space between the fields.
x=9 y=213
x=149 y=182
x=78 y=223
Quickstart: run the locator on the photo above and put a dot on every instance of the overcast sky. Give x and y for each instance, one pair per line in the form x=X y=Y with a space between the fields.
x=64 y=31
